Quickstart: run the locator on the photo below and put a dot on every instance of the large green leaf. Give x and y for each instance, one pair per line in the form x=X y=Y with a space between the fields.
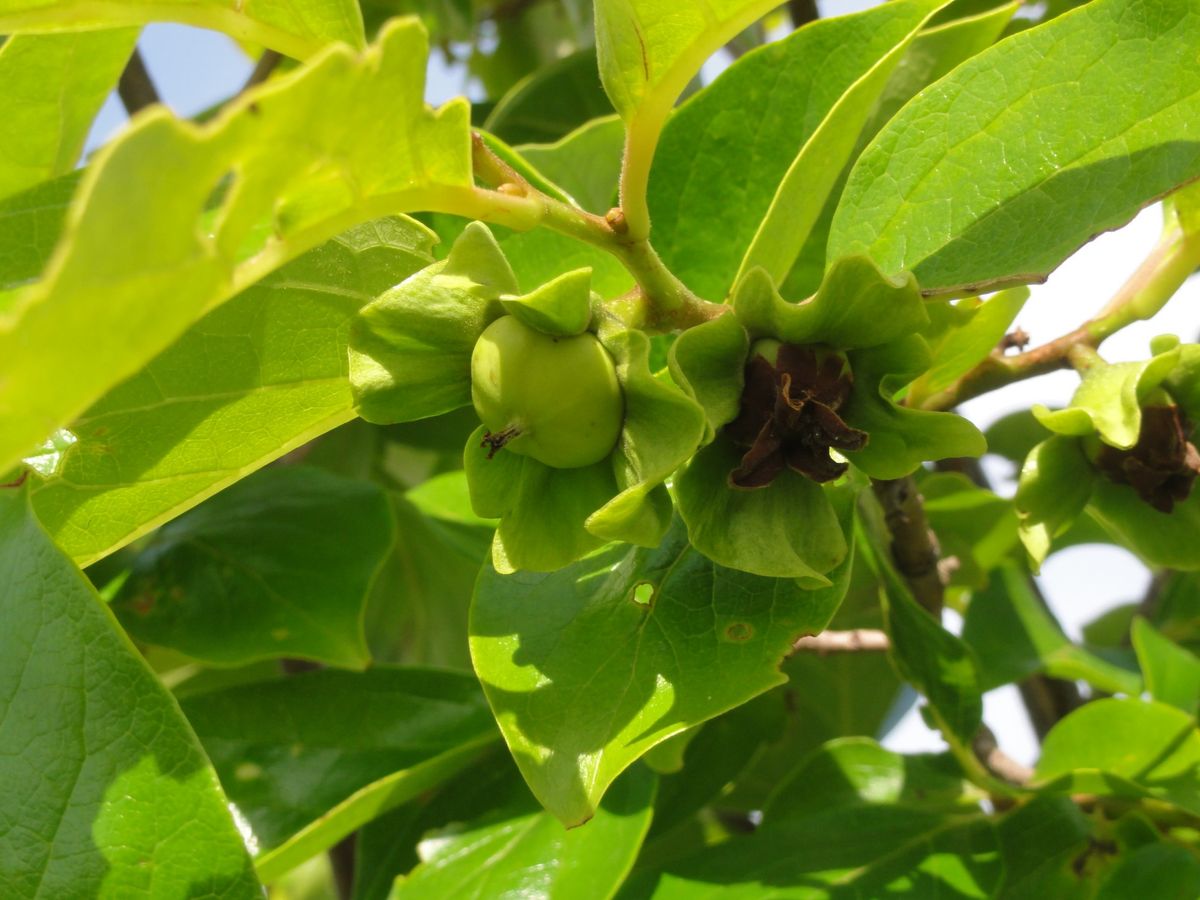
x=53 y=88
x=288 y=177
x=854 y=850
x=765 y=108
x=30 y=223
x=648 y=52
x=104 y=791
x=818 y=167
x=252 y=380
x=1014 y=636
x=1125 y=748
x=589 y=667
x=588 y=160
x=310 y=758
x=554 y=100
x=523 y=851
x=299 y=28
x=956 y=190
x=1172 y=672
x=277 y=565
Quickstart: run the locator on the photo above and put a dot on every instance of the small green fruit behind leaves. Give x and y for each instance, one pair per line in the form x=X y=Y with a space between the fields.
x=555 y=399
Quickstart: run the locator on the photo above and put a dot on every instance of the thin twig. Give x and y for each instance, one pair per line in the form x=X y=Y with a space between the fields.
x=999 y=763
x=1169 y=264
x=266 y=64
x=914 y=546
x=859 y=640
x=135 y=88
x=803 y=12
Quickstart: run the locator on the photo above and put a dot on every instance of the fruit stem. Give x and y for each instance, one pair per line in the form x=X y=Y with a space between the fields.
x=661 y=302
x=1174 y=258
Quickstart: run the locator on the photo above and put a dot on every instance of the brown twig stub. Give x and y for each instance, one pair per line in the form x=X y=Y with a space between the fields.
x=999 y=763
x=858 y=640
x=914 y=546
x=135 y=87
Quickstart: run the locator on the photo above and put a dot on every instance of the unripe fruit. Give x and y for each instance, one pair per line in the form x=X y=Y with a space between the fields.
x=556 y=399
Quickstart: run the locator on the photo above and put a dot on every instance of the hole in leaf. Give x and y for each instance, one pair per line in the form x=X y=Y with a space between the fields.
x=643 y=593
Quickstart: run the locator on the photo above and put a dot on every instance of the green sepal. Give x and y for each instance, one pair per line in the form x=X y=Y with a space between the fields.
x=901 y=438
x=856 y=306
x=541 y=509
x=708 y=363
x=961 y=335
x=562 y=307
x=1109 y=400
x=410 y=350
x=662 y=429
x=1171 y=540
x=1183 y=384
x=1055 y=485
x=788 y=529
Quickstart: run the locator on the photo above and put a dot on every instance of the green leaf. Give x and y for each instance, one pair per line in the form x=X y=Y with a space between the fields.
x=1172 y=673
x=937 y=663
x=30 y=223
x=298 y=29
x=1040 y=842
x=1116 y=95
x=1170 y=540
x=856 y=771
x=588 y=160
x=1125 y=748
x=585 y=674
x=1014 y=636
x=309 y=758
x=278 y=565
x=1055 y=485
x=410 y=350
x=417 y=611
x=817 y=168
x=788 y=529
x=53 y=87
x=973 y=525
x=706 y=202
x=957 y=350
x=104 y=790
x=551 y=102
x=301 y=177
x=853 y=851
x=252 y=380
x=1155 y=870
x=526 y=852
x=648 y=51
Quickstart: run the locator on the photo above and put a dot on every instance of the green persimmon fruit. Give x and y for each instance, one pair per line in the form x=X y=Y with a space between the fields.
x=556 y=399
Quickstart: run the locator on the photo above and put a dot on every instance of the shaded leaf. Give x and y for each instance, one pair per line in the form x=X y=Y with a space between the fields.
x=278 y=565
x=310 y=758
x=551 y=102
x=588 y=159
